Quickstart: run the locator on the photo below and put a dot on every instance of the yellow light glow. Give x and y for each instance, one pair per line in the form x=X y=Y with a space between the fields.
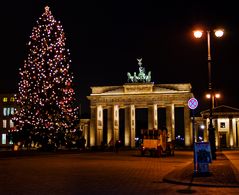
x=219 y=32
x=217 y=95
x=208 y=96
x=197 y=34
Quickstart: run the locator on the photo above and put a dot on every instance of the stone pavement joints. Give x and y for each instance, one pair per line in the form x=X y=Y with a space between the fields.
x=222 y=173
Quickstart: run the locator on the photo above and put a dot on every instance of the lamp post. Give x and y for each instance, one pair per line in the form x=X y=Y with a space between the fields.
x=215 y=96
x=211 y=129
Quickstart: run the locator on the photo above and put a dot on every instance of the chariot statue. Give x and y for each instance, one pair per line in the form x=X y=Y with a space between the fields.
x=141 y=77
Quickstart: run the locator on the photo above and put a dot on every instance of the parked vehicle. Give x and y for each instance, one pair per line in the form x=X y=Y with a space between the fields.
x=155 y=143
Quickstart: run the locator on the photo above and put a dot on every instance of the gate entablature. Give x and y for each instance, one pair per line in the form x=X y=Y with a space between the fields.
x=131 y=96
x=144 y=93
x=139 y=92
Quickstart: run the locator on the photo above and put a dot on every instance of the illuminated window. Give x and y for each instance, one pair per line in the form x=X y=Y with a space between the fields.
x=11 y=123
x=4 y=99
x=12 y=99
x=8 y=111
x=4 y=111
x=12 y=110
x=222 y=125
x=4 y=138
x=4 y=123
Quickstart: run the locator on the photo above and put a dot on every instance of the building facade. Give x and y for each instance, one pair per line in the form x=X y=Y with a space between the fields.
x=132 y=96
x=7 y=106
x=226 y=124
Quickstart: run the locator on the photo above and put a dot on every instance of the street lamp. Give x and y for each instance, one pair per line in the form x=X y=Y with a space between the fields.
x=214 y=97
x=211 y=129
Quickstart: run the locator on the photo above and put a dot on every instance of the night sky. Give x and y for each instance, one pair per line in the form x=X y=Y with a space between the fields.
x=105 y=38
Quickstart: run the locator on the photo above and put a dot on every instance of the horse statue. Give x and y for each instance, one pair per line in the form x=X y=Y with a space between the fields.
x=141 y=77
x=148 y=77
x=130 y=77
x=136 y=78
x=141 y=74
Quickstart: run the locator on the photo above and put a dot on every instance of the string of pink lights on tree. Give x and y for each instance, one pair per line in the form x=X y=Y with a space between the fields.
x=46 y=98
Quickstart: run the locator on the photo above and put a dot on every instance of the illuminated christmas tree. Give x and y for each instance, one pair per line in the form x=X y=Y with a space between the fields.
x=46 y=100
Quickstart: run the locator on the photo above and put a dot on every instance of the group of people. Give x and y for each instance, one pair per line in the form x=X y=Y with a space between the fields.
x=114 y=146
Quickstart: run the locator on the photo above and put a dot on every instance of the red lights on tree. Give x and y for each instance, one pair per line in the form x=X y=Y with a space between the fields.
x=45 y=102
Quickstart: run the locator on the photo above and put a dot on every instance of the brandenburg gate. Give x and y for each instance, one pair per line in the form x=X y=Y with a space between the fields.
x=137 y=93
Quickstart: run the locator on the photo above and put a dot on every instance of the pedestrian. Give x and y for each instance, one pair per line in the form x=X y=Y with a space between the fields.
x=111 y=145
x=117 y=146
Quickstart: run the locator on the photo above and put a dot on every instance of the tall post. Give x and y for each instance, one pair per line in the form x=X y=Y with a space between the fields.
x=192 y=104
x=211 y=129
x=194 y=159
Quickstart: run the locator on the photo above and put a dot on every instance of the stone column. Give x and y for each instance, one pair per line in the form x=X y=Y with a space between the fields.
x=99 y=127
x=170 y=122
x=116 y=122
x=86 y=134
x=110 y=132
x=237 y=132
x=234 y=127
x=127 y=127
x=93 y=125
x=153 y=117
x=187 y=127
x=230 y=133
x=132 y=125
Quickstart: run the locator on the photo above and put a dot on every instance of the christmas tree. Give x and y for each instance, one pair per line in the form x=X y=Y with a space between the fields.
x=46 y=100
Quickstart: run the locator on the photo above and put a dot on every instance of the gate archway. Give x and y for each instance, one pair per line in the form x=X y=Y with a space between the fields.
x=131 y=96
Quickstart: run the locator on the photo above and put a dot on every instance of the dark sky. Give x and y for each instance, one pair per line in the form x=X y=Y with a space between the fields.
x=106 y=37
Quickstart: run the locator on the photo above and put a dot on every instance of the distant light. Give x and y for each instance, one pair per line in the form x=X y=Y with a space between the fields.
x=197 y=34
x=208 y=96
x=219 y=33
x=217 y=95
x=202 y=126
